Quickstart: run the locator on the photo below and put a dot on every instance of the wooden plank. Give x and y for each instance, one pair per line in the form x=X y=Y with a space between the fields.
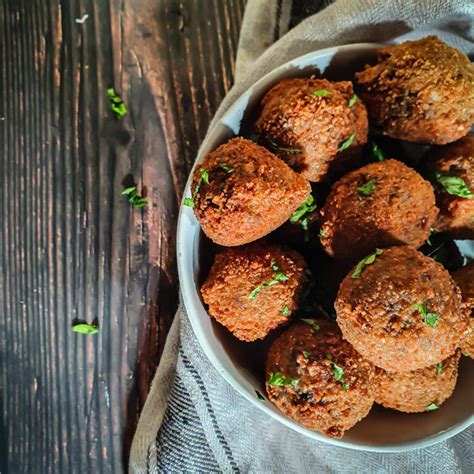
x=70 y=245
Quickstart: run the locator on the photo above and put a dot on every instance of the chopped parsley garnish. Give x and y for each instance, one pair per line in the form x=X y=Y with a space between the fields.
x=277 y=380
x=307 y=354
x=116 y=103
x=337 y=372
x=432 y=406
x=228 y=169
x=288 y=150
x=428 y=240
x=301 y=214
x=320 y=93
x=279 y=276
x=260 y=396
x=353 y=100
x=285 y=310
x=364 y=262
x=439 y=368
x=314 y=325
x=134 y=198
x=377 y=152
x=367 y=188
x=453 y=185
x=85 y=328
x=204 y=176
x=430 y=318
x=321 y=233
x=347 y=143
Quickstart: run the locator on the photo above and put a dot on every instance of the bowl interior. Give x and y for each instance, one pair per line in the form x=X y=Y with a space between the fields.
x=241 y=364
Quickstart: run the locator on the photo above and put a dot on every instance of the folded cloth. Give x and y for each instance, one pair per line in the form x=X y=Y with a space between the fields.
x=193 y=420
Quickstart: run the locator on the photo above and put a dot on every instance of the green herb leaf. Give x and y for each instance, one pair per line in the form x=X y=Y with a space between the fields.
x=364 y=262
x=116 y=103
x=430 y=318
x=377 y=152
x=85 y=328
x=307 y=354
x=277 y=380
x=306 y=208
x=320 y=93
x=228 y=169
x=347 y=143
x=367 y=189
x=432 y=406
x=314 y=325
x=204 y=176
x=260 y=396
x=288 y=150
x=428 y=240
x=133 y=197
x=321 y=233
x=353 y=100
x=453 y=185
x=337 y=372
x=439 y=368
x=279 y=276
x=285 y=310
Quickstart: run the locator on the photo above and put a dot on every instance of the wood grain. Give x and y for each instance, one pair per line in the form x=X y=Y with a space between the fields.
x=70 y=246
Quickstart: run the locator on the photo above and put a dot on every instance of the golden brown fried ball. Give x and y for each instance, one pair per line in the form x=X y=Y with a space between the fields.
x=381 y=204
x=420 y=91
x=252 y=290
x=318 y=379
x=249 y=193
x=465 y=280
x=309 y=121
x=419 y=390
x=402 y=312
x=451 y=167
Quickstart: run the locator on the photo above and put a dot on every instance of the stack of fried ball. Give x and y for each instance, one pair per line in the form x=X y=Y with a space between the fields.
x=402 y=320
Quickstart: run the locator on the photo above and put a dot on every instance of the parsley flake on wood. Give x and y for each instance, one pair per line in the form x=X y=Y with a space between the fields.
x=277 y=380
x=279 y=276
x=453 y=185
x=314 y=325
x=377 y=152
x=116 y=103
x=432 y=406
x=347 y=143
x=367 y=188
x=364 y=262
x=353 y=100
x=134 y=198
x=288 y=150
x=430 y=318
x=320 y=93
x=439 y=368
x=204 y=176
x=85 y=328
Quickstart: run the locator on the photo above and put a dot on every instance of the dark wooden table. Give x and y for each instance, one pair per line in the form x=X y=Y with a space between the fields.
x=71 y=247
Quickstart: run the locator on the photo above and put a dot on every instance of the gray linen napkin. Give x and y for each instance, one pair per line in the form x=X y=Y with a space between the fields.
x=193 y=420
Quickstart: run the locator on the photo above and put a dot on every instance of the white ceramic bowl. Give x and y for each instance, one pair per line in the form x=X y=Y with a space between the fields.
x=382 y=430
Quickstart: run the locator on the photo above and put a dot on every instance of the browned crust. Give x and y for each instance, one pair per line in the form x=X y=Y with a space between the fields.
x=238 y=271
x=376 y=311
x=258 y=196
x=420 y=91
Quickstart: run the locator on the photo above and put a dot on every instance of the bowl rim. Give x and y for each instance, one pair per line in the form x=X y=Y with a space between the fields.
x=187 y=286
